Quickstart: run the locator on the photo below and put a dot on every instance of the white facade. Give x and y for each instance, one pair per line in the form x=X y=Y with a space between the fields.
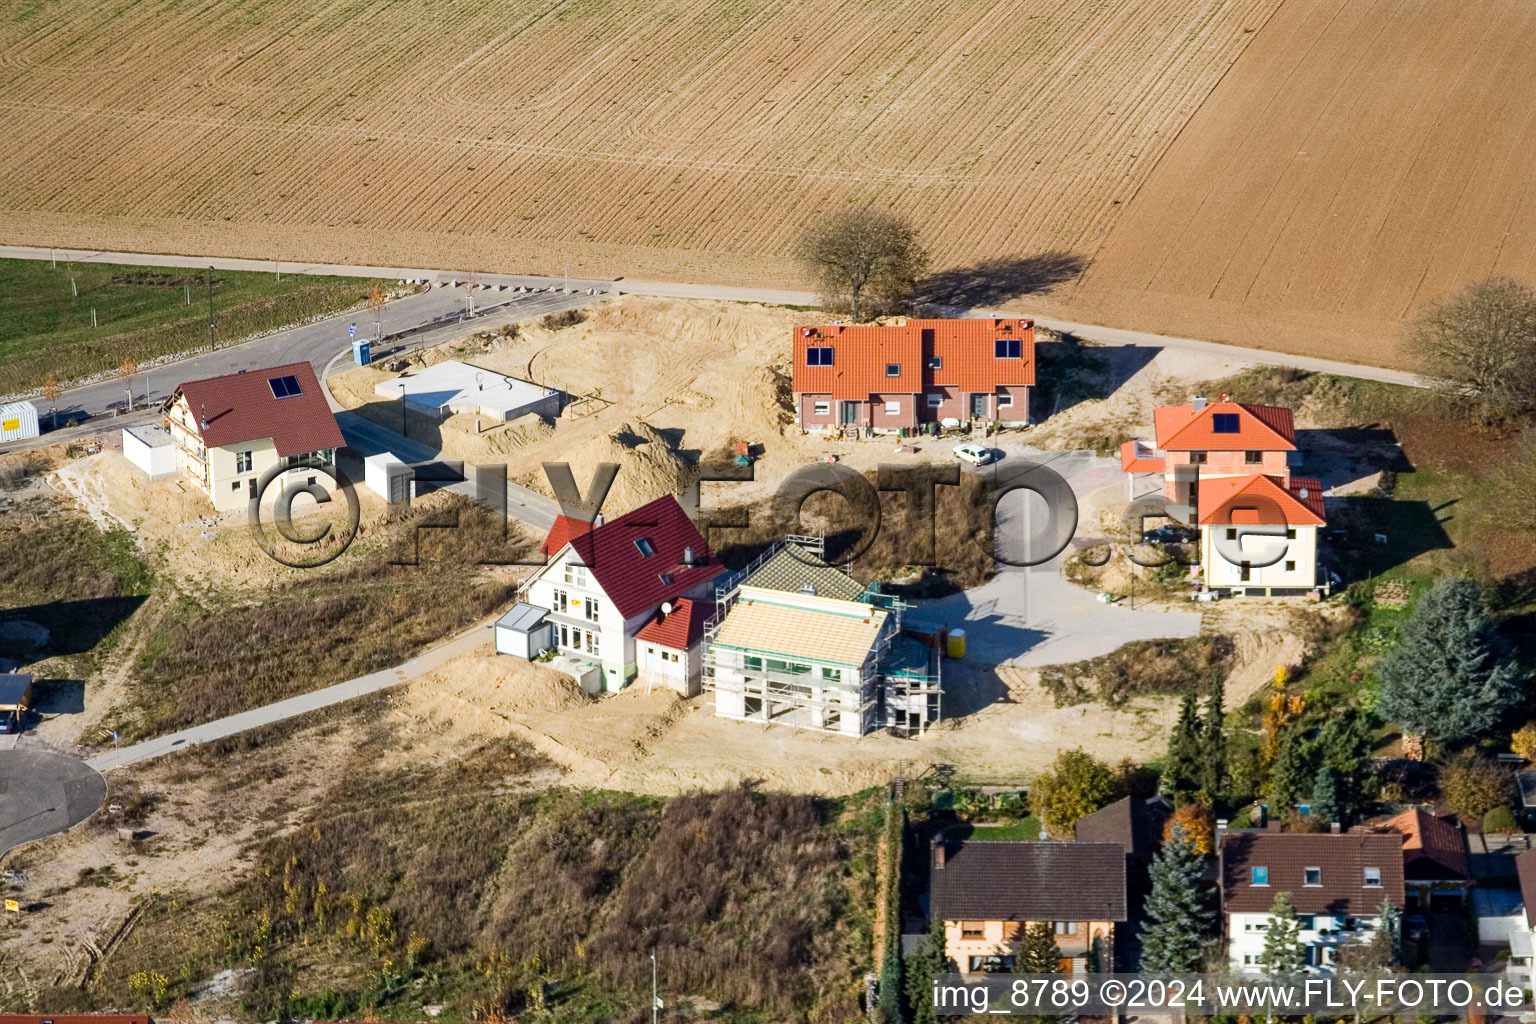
x=18 y=421
x=389 y=478
x=1321 y=935
x=1296 y=569
x=660 y=665
x=150 y=449
x=584 y=622
x=452 y=386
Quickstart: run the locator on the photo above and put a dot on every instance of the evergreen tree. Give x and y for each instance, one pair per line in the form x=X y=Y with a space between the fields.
x=1292 y=775
x=921 y=968
x=890 y=987
x=1038 y=952
x=1214 y=741
x=1451 y=676
x=1177 y=916
x=1343 y=746
x=1184 y=768
x=1325 y=796
x=1283 y=953
x=1392 y=925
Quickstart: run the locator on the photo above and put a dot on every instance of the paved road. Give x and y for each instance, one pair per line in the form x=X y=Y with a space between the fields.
x=42 y=793
x=294 y=706
x=1033 y=616
x=1088 y=332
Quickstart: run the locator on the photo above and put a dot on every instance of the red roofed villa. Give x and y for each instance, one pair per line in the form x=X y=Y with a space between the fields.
x=625 y=596
x=890 y=378
x=228 y=431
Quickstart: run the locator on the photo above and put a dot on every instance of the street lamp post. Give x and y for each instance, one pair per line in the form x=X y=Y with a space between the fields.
x=403 y=432
x=212 y=343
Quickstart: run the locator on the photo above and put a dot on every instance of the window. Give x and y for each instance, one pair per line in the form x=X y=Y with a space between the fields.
x=284 y=387
x=1231 y=533
x=665 y=577
x=819 y=356
x=671 y=656
x=1064 y=927
x=575 y=575
x=1312 y=876
x=590 y=608
x=1224 y=422
x=973 y=929
x=1008 y=348
x=1005 y=401
x=562 y=601
x=591 y=641
x=1373 y=877
x=1290 y=533
x=1290 y=566
x=1253 y=458
x=575 y=641
x=893 y=369
x=893 y=408
x=935 y=362
x=1250 y=959
x=1197 y=458
x=645 y=547
x=1260 y=876
x=243 y=462
x=934 y=401
x=234 y=485
x=823 y=408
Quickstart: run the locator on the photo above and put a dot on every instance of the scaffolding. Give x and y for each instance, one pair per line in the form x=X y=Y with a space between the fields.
x=898 y=687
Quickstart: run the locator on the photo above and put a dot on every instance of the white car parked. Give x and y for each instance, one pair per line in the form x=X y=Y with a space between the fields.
x=975 y=454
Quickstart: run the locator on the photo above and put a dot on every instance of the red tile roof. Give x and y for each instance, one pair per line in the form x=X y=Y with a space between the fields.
x=682 y=628
x=564 y=528
x=1180 y=428
x=634 y=581
x=241 y=407
x=1260 y=500
x=1432 y=847
x=965 y=349
x=1525 y=871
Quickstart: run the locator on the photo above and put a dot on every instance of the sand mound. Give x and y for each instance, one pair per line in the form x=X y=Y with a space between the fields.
x=505 y=685
x=650 y=466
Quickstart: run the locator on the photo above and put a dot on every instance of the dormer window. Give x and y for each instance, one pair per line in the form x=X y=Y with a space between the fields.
x=645 y=547
x=1312 y=876
x=893 y=369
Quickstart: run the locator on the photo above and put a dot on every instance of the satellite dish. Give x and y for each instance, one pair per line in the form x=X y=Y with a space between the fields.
x=1303 y=494
x=666 y=608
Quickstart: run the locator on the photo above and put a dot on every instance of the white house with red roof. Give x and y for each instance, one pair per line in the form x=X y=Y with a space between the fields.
x=607 y=583
x=884 y=378
x=228 y=431
x=1225 y=468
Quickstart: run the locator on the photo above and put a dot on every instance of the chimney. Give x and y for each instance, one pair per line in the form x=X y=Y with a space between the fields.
x=1273 y=826
x=1221 y=826
x=1199 y=403
x=1333 y=827
x=688 y=555
x=938 y=851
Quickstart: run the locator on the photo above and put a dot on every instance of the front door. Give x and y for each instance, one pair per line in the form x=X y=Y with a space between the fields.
x=850 y=414
x=252 y=487
x=979 y=406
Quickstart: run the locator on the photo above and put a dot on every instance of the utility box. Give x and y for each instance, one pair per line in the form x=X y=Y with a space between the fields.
x=389 y=478
x=360 y=353
x=18 y=421
x=523 y=632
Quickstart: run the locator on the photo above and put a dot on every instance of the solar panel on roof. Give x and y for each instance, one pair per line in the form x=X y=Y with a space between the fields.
x=1224 y=422
x=285 y=386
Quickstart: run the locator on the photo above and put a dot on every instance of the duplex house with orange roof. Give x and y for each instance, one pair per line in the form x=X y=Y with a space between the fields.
x=889 y=378
x=1219 y=439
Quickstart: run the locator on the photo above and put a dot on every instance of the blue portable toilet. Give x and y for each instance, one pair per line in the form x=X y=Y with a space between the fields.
x=360 y=351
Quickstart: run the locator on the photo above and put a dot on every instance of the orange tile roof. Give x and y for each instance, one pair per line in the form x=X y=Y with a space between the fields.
x=965 y=350
x=561 y=532
x=1180 y=428
x=1435 y=845
x=1132 y=461
x=1260 y=500
x=679 y=630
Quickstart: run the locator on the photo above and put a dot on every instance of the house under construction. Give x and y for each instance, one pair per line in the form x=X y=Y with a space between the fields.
x=797 y=642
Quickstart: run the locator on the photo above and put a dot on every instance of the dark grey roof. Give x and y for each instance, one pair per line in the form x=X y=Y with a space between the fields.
x=1030 y=881
x=1137 y=825
x=522 y=617
x=14 y=688
x=793 y=569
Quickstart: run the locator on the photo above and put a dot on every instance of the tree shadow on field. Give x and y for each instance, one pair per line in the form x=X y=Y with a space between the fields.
x=995 y=281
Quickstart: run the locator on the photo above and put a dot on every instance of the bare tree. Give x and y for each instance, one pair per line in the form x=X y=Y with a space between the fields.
x=858 y=254
x=1480 y=346
x=53 y=392
x=470 y=284
x=126 y=371
x=376 y=312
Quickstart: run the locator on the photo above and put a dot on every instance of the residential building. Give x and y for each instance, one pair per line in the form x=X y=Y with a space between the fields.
x=1203 y=440
x=1514 y=923
x=1435 y=868
x=890 y=378
x=1136 y=824
x=1259 y=534
x=228 y=431
x=1337 y=881
x=604 y=583
x=798 y=642
x=988 y=892
x=668 y=645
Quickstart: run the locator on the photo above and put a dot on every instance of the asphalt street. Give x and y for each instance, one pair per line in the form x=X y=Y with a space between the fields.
x=42 y=793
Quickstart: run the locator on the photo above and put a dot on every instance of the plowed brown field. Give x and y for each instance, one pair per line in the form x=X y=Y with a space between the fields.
x=680 y=138
x=1364 y=156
